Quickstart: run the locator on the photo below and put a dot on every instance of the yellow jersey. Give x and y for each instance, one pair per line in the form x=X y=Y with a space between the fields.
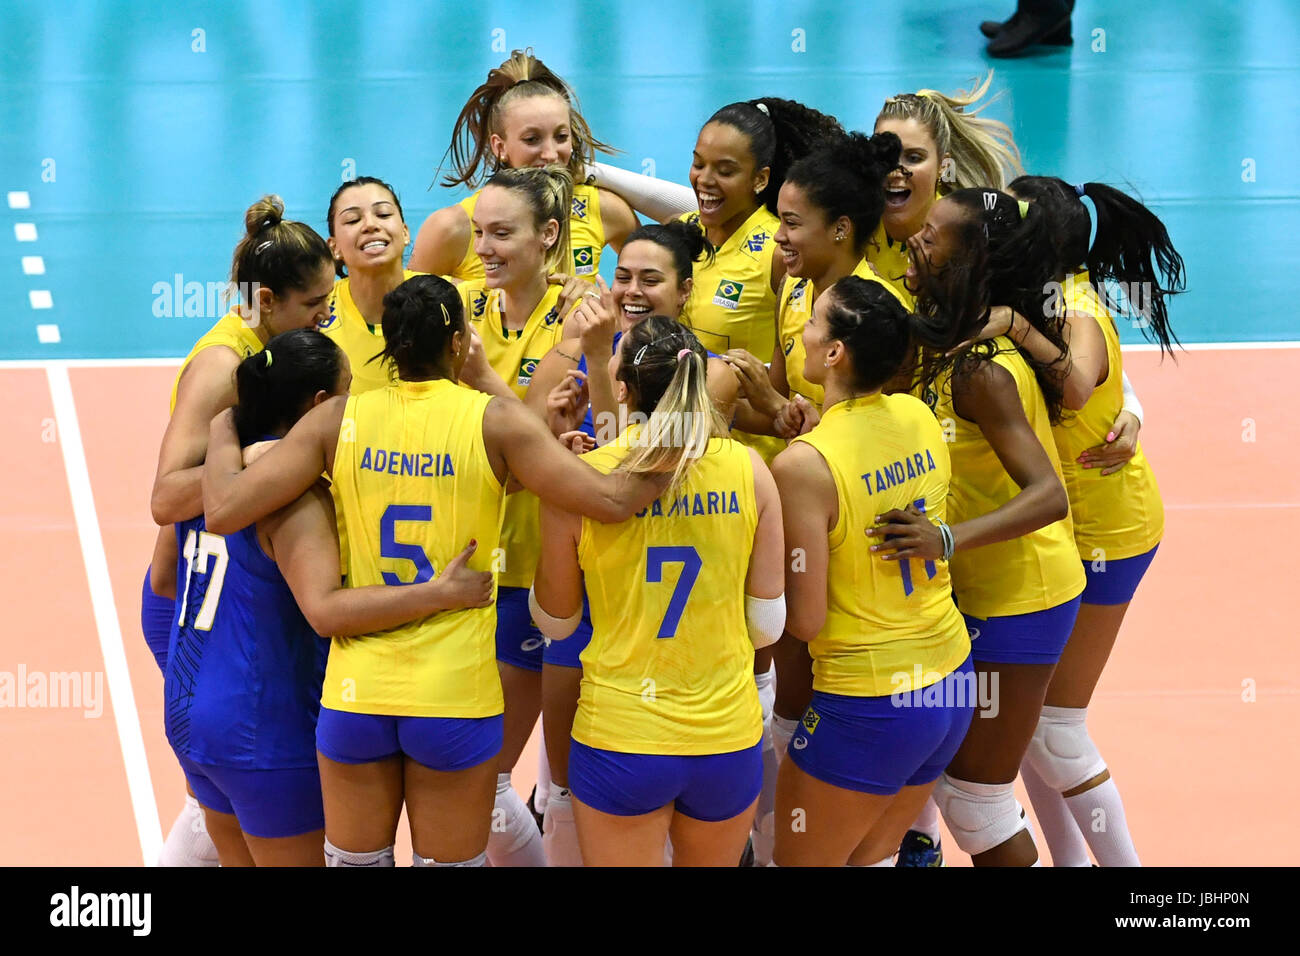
x=586 y=236
x=230 y=331
x=360 y=340
x=670 y=666
x=1120 y=515
x=732 y=305
x=1033 y=572
x=414 y=485
x=891 y=259
x=891 y=626
x=514 y=355
x=796 y=302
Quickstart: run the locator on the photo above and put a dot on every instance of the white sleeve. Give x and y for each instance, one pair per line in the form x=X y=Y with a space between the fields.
x=552 y=628
x=1131 y=403
x=765 y=618
x=656 y=198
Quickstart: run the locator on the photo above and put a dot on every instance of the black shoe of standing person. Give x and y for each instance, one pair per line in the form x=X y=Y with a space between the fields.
x=1034 y=21
x=1061 y=37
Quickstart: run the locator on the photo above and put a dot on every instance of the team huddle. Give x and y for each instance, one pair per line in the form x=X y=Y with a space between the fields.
x=818 y=524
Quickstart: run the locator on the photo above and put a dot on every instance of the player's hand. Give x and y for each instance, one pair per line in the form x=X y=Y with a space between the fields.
x=460 y=587
x=755 y=382
x=1001 y=321
x=476 y=370
x=906 y=534
x=578 y=442
x=595 y=322
x=1119 y=447
x=572 y=289
x=566 y=403
x=798 y=417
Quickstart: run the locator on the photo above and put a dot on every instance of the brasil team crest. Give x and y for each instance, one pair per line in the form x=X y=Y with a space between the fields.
x=584 y=260
x=527 y=368
x=728 y=294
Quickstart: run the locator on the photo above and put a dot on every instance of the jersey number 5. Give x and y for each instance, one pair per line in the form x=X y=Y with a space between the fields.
x=390 y=547
x=689 y=558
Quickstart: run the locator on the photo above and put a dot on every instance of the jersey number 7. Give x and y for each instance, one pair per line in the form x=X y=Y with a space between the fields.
x=689 y=558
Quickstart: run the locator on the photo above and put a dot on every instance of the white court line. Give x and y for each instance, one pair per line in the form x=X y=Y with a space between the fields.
x=125 y=716
x=157 y=362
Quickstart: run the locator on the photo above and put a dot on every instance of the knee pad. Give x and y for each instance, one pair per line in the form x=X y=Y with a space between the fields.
x=417 y=860
x=1061 y=750
x=375 y=858
x=979 y=815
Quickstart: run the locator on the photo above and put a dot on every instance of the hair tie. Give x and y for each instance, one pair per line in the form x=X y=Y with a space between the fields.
x=267 y=353
x=683 y=353
x=762 y=108
x=262 y=247
x=267 y=223
x=1023 y=206
x=1080 y=189
x=640 y=354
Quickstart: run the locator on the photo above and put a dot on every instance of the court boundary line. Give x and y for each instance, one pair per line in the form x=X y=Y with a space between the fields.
x=144 y=805
x=153 y=362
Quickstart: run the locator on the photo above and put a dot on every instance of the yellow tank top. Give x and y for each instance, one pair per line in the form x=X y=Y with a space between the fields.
x=669 y=669
x=797 y=297
x=414 y=485
x=891 y=260
x=891 y=626
x=1120 y=515
x=230 y=331
x=1034 y=572
x=586 y=236
x=515 y=356
x=360 y=340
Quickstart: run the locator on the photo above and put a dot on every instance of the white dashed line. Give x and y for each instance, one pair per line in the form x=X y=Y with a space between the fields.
x=40 y=299
x=33 y=265
x=48 y=334
x=25 y=231
x=20 y=200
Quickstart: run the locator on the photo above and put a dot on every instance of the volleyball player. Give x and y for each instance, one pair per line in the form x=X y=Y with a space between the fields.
x=413 y=715
x=667 y=734
x=285 y=270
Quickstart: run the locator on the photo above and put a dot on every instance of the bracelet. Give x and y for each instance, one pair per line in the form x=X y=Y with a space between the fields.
x=949 y=542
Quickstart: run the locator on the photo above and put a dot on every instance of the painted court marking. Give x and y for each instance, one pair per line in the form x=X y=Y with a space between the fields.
x=121 y=695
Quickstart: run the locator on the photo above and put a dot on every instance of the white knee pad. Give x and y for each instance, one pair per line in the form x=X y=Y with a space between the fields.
x=979 y=815
x=348 y=858
x=1061 y=751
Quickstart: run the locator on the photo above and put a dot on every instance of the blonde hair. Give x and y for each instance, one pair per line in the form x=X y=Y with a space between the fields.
x=667 y=367
x=549 y=193
x=521 y=76
x=276 y=252
x=983 y=151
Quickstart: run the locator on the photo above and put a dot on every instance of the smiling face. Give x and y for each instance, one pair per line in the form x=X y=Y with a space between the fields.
x=534 y=131
x=297 y=308
x=513 y=250
x=724 y=177
x=366 y=228
x=936 y=241
x=646 y=283
x=909 y=192
x=805 y=237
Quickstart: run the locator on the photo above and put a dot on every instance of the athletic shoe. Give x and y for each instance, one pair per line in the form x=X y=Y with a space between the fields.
x=532 y=808
x=917 y=849
x=747 y=858
x=1061 y=37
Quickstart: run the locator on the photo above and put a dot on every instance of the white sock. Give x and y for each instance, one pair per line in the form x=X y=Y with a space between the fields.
x=1099 y=812
x=514 y=840
x=559 y=832
x=188 y=843
x=543 y=792
x=764 y=830
x=927 y=821
x=347 y=858
x=1059 y=829
x=783 y=729
x=417 y=860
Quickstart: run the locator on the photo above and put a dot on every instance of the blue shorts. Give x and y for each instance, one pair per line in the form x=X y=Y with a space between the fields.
x=439 y=743
x=1118 y=582
x=882 y=744
x=267 y=803
x=712 y=787
x=1038 y=637
x=565 y=653
x=519 y=642
x=156 y=614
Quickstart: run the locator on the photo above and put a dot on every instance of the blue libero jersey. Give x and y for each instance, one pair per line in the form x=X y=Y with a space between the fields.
x=244 y=670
